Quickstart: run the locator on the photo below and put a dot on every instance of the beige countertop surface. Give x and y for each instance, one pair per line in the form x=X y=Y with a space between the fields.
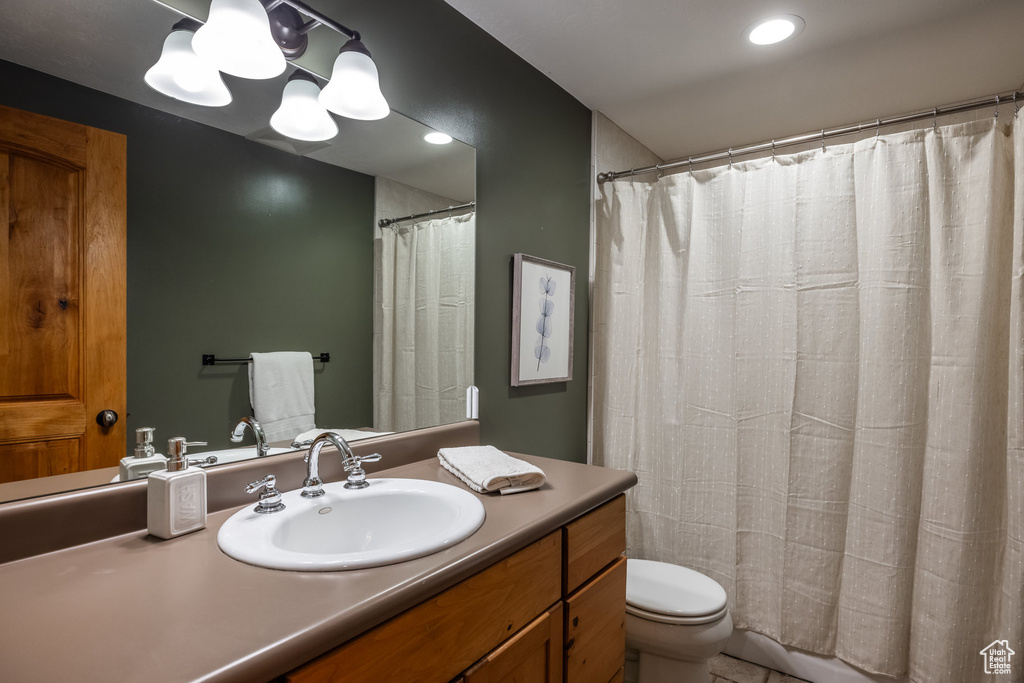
x=137 y=608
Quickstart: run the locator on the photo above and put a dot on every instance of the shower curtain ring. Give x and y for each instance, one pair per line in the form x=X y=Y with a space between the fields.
x=773 y=150
x=996 y=114
x=878 y=124
x=689 y=160
x=657 y=167
x=730 y=158
x=935 y=119
x=1015 y=107
x=822 y=139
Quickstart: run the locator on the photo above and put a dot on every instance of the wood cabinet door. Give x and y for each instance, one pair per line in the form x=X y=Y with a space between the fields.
x=595 y=627
x=439 y=638
x=62 y=295
x=534 y=655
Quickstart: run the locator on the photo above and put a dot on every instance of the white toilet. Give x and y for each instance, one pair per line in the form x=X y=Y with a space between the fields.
x=676 y=620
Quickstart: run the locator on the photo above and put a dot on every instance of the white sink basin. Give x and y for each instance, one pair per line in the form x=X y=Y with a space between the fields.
x=392 y=520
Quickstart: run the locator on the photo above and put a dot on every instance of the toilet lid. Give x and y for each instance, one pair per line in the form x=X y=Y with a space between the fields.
x=669 y=589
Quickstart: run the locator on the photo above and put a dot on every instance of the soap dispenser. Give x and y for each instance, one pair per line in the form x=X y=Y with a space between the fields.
x=145 y=460
x=177 y=495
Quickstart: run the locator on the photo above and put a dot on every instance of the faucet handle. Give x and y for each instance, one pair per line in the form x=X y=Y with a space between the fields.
x=358 y=460
x=354 y=466
x=202 y=462
x=270 y=499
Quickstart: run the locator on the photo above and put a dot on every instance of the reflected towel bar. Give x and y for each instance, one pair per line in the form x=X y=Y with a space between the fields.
x=211 y=359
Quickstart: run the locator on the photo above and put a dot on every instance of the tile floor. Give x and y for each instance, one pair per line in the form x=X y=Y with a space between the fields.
x=725 y=669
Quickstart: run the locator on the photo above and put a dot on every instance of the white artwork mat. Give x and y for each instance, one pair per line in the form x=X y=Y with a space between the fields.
x=545 y=301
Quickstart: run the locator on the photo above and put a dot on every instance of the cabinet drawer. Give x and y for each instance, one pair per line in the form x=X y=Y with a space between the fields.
x=595 y=627
x=592 y=541
x=441 y=637
x=534 y=655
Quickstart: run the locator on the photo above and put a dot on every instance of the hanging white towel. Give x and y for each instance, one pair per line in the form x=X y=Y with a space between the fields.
x=485 y=469
x=281 y=392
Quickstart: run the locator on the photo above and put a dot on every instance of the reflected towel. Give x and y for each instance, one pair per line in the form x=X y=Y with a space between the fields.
x=281 y=393
x=485 y=469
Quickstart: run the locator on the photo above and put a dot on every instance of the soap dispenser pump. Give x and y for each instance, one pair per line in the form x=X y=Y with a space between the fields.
x=177 y=495
x=145 y=460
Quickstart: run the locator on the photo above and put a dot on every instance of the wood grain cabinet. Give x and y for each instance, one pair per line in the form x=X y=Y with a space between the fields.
x=554 y=612
x=534 y=655
x=594 y=590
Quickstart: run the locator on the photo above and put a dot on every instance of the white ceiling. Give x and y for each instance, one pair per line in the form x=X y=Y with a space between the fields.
x=679 y=76
x=59 y=37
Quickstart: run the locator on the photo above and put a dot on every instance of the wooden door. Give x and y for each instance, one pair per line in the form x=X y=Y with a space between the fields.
x=62 y=295
x=595 y=627
x=533 y=655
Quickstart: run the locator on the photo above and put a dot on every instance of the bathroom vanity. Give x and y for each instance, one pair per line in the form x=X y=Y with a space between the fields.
x=556 y=606
x=539 y=589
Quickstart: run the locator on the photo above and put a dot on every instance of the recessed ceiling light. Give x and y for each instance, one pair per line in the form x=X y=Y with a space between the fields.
x=437 y=138
x=775 y=29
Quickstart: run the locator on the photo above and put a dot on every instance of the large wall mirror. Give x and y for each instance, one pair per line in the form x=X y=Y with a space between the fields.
x=241 y=240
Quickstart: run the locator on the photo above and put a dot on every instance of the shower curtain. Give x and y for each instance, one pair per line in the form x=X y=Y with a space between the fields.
x=815 y=366
x=423 y=322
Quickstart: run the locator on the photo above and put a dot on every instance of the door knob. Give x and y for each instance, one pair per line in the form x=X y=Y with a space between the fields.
x=106 y=418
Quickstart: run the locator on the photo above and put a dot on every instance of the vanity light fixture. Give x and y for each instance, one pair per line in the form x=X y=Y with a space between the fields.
x=237 y=40
x=255 y=39
x=775 y=29
x=181 y=74
x=436 y=138
x=354 y=88
x=301 y=116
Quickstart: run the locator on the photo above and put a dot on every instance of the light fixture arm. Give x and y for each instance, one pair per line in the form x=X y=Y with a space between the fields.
x=317 y=19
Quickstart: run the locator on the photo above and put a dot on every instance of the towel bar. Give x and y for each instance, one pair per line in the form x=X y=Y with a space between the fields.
x=211 y=359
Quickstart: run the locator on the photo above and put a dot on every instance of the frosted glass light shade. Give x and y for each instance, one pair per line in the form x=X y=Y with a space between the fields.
x=354 y=88
x=237 y=40
x=301 y=116
x=180 y=74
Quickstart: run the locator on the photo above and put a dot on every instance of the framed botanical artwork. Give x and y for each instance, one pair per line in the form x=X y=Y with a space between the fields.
x=543 y=299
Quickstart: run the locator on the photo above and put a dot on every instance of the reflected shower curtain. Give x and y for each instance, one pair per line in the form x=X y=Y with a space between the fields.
x=815 y=366
x=423 y=322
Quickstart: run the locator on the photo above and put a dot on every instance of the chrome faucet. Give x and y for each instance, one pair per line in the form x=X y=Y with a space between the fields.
x=257 y=431
x=312 y=487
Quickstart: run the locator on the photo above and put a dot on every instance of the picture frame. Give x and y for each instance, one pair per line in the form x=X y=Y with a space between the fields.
x=542 y=332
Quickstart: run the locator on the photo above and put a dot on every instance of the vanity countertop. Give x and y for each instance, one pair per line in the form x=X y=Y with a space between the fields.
x=136 y=608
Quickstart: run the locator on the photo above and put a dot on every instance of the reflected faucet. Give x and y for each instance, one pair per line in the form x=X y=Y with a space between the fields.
x=257 y=431
x=312 y=487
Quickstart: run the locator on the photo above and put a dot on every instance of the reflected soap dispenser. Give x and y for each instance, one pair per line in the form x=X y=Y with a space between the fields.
x=177 y=495
x=145 y=460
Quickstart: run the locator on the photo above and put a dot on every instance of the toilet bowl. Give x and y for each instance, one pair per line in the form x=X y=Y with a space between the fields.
x=676 y=620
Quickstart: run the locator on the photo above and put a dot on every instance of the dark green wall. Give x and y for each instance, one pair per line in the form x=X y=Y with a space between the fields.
x=533 y=191
x=233 y=247
x=533 y=196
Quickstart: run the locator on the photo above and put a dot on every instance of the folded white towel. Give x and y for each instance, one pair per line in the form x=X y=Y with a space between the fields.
x=485 y=469
x=281 y=393
x=347 y=434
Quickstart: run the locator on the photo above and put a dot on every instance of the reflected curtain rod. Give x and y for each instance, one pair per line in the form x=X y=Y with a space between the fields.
x=385 y=222
x=823 y=135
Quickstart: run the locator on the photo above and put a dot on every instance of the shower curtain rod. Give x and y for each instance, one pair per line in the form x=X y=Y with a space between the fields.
x=823 y=135
x=385 y=222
